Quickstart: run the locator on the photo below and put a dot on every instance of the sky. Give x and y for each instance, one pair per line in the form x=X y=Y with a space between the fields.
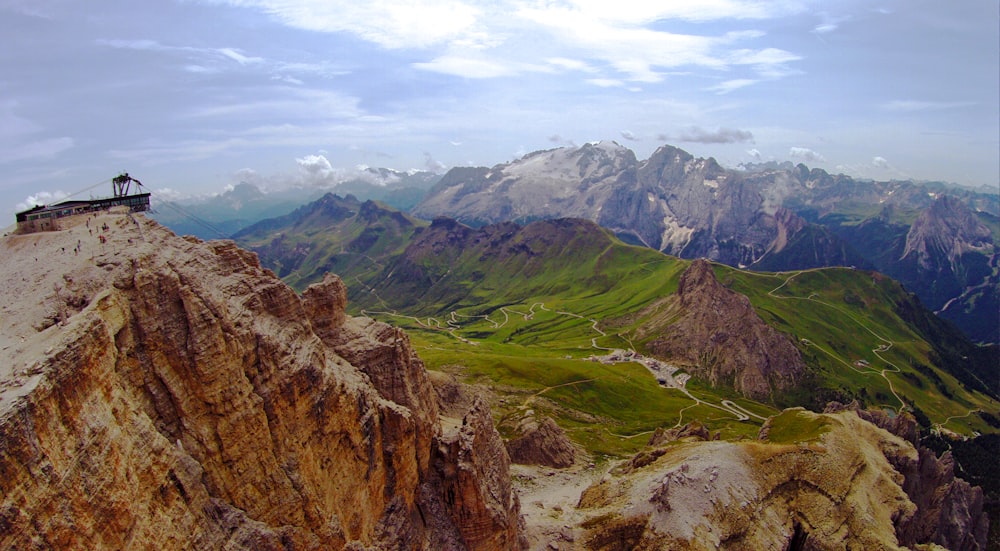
x=192 y=96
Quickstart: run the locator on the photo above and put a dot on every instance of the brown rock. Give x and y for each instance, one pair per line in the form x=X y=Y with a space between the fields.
x=949 y=510
x=473 y=470
x=719 y=336
x=193 y=401
x=541 y=443
x=694 y=430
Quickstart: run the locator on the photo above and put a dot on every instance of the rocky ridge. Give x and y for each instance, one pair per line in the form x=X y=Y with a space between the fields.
x=843 y=489
x=170 y=393
x=768 y=217
x=541 y=442
x=716 y=333
x=671 y=202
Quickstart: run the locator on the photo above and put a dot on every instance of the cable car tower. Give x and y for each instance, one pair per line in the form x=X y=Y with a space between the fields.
x=122 y=183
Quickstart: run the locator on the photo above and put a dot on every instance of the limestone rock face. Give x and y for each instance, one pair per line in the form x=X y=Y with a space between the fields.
x=838 y=491
x=473 y=471
x=949 y=510
x=541 y=442
x=183 y=398
x=719 y=335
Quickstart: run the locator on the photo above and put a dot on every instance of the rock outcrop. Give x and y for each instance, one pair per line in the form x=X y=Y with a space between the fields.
x=541 y=442
x=183 y=397
x=949 y=510
x=837 y=488
x=716 y=332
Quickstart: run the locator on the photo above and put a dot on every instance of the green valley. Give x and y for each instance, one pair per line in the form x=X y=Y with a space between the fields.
x=561 y=318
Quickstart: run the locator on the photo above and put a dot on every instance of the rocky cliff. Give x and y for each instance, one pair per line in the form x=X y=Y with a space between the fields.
x=166 y=393
x=949 y=511
x=766 y=217
x=718 y=335
x=840 y=487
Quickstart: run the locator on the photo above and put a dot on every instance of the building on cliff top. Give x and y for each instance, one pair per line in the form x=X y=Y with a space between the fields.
x=46 y=217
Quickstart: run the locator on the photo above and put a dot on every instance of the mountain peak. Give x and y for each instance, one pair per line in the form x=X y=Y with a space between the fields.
x=947 y=228
x=720 y=335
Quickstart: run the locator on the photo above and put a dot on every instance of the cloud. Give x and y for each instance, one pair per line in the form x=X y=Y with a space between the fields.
x=41 y=198
x=605 y=82
x=315 y=166
x=915 y=105
x=829 y=24
x=468 y=67
x=390 y=24
x=478 y=39
x=570 y=64
x=168 y=194
x=238 y=57
x=201 y=60
x=628 y=135
x=292 y=102
x=754 y=153
x=806 y=154
x=722 y=135
x=37 y=149
x=880 y=162
x=557 y=139
x=433 y=165
x=731 y=85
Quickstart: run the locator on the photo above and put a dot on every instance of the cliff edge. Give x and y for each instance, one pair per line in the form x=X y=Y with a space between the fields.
x=158 y=391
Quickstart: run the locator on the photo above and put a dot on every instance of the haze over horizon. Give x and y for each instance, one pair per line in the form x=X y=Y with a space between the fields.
x=190 y=96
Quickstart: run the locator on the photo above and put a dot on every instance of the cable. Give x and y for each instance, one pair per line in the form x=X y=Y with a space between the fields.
x=204 y=223
x=86 y=189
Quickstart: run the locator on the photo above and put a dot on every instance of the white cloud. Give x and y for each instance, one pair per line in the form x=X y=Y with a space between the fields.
x=754 y=154
x=20 y=137
x=572 y=34
x=880 y=162
x=731 y=85
x=697 y=134
x=570 y=64
x=390 y=24
x=605 y=82
x=41 y=198
x=628 y=135
x=915 y=105
x=764 y=57
x=290 y=102
x=168 y=194
x=315 y=166
x=238 y=57
x=38 y=149
x=467 y=67
x=433 y=165
x=806 y=154
x=830 y=23
x=636 y=13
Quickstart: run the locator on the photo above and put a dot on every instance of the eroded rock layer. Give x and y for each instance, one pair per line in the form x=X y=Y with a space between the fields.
x=168 y=393
x=842 y=484
x=718 y=334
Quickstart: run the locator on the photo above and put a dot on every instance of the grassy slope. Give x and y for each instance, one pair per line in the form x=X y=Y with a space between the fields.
x=537 y=357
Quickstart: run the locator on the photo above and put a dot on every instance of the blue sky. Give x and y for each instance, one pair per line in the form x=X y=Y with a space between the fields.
x=193 y=95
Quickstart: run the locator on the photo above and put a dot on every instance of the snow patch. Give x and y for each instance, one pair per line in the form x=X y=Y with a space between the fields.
x=675 y=236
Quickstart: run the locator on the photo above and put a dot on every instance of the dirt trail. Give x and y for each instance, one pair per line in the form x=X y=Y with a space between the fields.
x=877 y=351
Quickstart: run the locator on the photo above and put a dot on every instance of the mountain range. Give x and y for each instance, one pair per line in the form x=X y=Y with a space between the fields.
x=168 y=392
x=534 y=311
x=221 y=215
x=939 y=241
